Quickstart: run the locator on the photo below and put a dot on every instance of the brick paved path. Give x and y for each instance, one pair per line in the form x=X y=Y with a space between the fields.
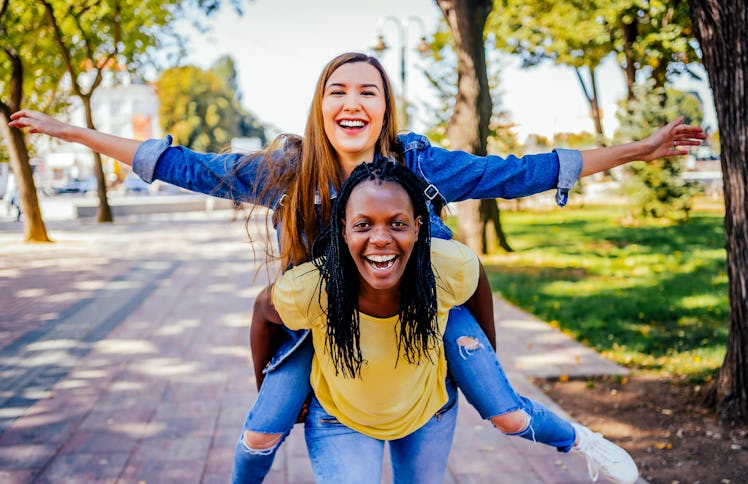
x=124 y=358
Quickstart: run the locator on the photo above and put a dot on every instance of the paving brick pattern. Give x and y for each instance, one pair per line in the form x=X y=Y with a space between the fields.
x=161 y=396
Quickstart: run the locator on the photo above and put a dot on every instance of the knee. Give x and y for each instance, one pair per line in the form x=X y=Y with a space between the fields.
x=467 y=345
x=260 y=441
x=512 y=422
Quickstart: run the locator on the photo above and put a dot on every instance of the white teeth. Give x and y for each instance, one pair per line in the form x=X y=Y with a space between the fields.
x=381 y=258
x=350 y=123
x=381 y=262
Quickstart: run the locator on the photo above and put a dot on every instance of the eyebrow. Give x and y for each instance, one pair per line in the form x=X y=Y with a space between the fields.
x=340 y=84
x=394 y=215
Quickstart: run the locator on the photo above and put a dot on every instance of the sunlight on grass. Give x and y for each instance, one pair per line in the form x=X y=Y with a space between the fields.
x=652 y=297
x=706 y=301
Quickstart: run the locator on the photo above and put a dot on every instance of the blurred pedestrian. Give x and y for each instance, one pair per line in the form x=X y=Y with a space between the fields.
x=13 y=196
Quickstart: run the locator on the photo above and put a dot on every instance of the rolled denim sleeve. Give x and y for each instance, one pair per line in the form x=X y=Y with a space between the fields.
x=147 y=155
x=569 y=168
x=235 y=176
x=459 y=175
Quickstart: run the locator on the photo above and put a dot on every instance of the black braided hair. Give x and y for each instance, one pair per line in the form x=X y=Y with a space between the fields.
x=417 y=332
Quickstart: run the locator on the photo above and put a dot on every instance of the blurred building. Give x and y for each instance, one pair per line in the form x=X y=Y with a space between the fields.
x=122 y=107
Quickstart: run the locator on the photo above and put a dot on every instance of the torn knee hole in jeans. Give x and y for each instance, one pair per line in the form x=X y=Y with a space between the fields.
x=259 y=443
x=468 y=344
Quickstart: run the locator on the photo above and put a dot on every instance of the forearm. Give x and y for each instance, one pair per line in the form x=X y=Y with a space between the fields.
x=262 y=340
x=122 y=149
x=263 y=333
x=673 y=139
x=480 y=306
x=601 y=159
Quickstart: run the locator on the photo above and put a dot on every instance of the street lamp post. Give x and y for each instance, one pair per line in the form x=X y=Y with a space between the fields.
x=423 y=47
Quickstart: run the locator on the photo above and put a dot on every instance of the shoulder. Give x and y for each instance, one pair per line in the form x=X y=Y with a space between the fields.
x=413 y=141
x=450 y=252
x=300 y=276
x=297 y=286
x=296 y=296
x=456 y=269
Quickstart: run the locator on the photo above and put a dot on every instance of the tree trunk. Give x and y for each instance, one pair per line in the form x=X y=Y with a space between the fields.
x=33 y=225
x=722 y=30
x=592 y=100
x=104 y=213
x=630 y=32
x=489 y=214
x=468 y=126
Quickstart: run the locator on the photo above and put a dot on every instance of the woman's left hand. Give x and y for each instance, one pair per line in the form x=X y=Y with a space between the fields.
x=673 y=139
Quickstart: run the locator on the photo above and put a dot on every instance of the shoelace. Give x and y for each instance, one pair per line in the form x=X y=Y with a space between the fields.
x=592 y=469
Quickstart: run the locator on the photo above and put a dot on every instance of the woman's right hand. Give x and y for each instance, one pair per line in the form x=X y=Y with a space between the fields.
x=36 y=122
x=122 y=149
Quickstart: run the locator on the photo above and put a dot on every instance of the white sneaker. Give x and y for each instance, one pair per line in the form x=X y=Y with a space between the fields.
x=603 y=455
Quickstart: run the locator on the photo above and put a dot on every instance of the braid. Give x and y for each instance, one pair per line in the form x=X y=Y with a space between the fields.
x=417 y=331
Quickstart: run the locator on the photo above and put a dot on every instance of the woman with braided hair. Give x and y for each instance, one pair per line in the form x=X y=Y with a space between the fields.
x=352 y=120
x=376 y=310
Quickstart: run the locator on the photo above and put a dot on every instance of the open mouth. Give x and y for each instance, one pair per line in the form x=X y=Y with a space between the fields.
x=381 y=262
x=352 y=123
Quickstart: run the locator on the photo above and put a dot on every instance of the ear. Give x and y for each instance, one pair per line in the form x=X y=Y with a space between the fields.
x=342 y=225
x=418 y=224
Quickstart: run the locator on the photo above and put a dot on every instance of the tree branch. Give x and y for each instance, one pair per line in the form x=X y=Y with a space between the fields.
x=49 y=11
x=77 y=19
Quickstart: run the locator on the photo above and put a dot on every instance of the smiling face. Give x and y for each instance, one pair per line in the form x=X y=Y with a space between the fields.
x=380 y=229
x=353 y=109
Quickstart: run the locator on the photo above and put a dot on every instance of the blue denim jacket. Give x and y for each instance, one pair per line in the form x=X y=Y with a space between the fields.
x=453 y=175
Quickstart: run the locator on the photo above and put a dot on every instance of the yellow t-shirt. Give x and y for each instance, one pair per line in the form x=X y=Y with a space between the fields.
x=392 y=398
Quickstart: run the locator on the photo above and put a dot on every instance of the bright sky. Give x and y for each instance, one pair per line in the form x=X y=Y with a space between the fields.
x=281 y=46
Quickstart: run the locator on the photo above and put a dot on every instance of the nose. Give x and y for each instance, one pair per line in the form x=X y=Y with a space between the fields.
x=352 y=104
x=380 y=237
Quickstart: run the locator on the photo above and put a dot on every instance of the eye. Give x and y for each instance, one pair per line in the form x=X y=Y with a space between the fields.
x=368 y=93
x=363 y=225
x=336 y=92
x=399 y=224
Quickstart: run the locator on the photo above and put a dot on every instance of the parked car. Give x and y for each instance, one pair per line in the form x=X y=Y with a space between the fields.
x=134 y=184
x=75 y=185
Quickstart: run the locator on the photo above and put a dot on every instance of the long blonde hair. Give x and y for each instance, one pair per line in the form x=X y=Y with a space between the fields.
x=303 y=168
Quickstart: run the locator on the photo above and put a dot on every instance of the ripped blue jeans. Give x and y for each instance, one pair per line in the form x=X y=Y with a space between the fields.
x=472 y=364
x=478 y=373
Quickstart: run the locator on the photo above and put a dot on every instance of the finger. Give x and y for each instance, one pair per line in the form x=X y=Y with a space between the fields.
x=687 y=128
x=692 y=130
x=18 y=114
x=695 y=138
x=19 y=123
x=675 y=123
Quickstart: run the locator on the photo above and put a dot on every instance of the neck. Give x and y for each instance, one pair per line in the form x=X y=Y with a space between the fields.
x=379 y=304
x=349 y=162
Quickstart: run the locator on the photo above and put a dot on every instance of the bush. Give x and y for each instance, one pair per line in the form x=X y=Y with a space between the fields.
x=656 y=189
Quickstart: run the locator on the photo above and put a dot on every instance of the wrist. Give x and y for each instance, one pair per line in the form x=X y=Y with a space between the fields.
x=71 y=133
x=641 y=151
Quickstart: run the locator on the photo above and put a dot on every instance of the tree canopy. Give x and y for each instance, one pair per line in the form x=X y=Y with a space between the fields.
x=201 y=109
x=648 y=36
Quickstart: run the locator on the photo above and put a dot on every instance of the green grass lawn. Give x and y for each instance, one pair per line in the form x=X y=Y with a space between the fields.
x=652 y=297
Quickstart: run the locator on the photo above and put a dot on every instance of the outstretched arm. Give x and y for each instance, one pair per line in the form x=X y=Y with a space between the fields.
x=462 y=176
x=122 y=149
x=673 y=139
